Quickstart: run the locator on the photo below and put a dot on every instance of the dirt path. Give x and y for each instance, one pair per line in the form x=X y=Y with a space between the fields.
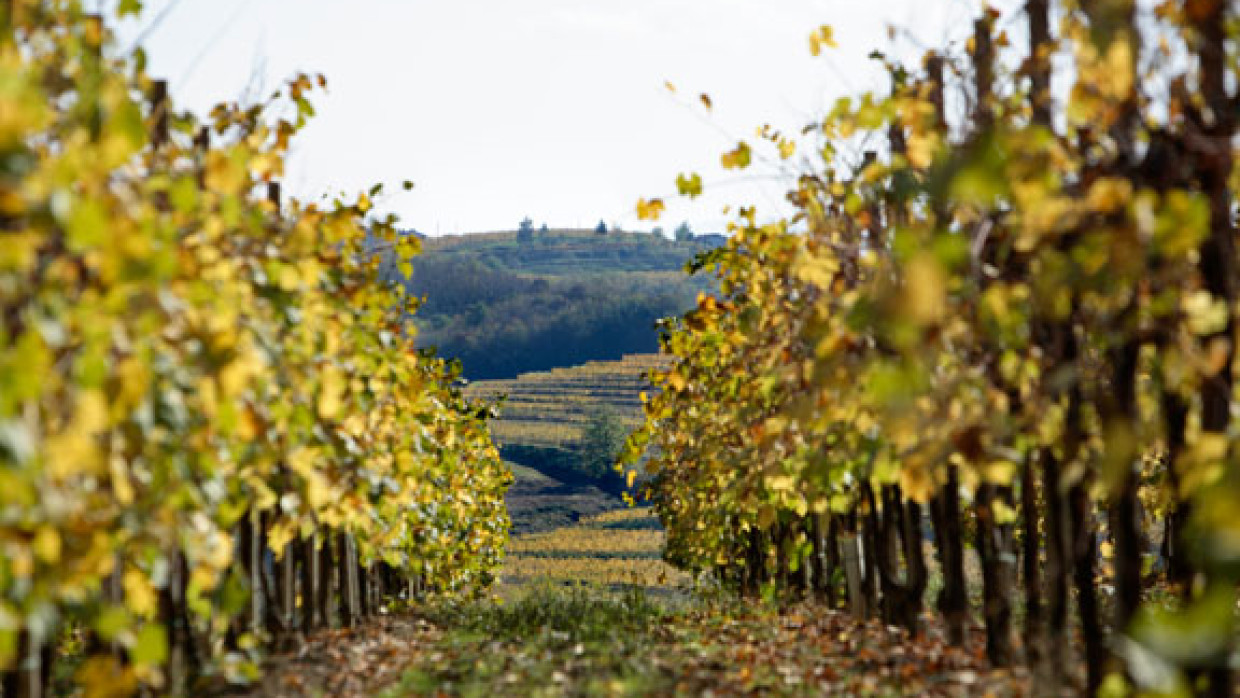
x=579 y=642
x=348 y=663
x=621 y=636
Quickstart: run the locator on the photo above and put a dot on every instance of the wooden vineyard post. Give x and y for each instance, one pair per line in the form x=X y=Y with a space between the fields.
x=858 y=600
x=246 y=553
x=994 y=538
x=945 y=514
x=274 y=195
x=869 y=537
x=363 y=587
x=833 y=564
x=160 y=108
x=1118 y=405
x=1218 y=265
x=354 y=587
x=1038 y=12
x=173 y=612
x=32 y=674
x=258 y=575
x=1030 y=571
x=202 y=143
x=269 y=591
x=323 y=588
x=288 y=579
x=343 y=578
x=307 y=559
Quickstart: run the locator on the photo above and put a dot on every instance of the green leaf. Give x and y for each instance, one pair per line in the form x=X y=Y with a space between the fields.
x=689 y=185
x=151 y=648
x=235 y=596
x=88 y=224
x=111 y=622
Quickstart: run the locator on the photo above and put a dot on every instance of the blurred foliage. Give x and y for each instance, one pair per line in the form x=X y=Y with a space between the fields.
x=180 y=351
x=910 y=317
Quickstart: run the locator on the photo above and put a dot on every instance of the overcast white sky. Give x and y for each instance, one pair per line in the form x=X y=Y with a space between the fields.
x=552 y=109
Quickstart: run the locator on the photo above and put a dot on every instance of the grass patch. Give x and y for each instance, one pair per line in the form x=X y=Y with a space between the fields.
x=550 y=641
x=587 y=641
x=558 y=616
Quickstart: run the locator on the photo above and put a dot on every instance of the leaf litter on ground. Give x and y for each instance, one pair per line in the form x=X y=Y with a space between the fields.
x=577 y=641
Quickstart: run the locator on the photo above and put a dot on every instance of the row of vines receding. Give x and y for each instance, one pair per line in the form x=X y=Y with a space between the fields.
x=216 y=435
x=1002 y=317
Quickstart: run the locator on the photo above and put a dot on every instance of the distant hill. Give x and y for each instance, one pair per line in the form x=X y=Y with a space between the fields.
x=506 y=304
x=570 y=252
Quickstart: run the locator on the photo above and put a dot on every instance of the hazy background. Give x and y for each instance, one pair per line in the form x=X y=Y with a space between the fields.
x=553 y=109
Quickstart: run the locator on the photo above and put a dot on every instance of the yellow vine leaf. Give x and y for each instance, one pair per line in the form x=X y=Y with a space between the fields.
x=140 y=596
x=649 y=210
x=103 y=676
x=823 y=36
x=689 y=185
x=925 y=290
x=46 y=545
x=738 y=158
x=676 y=381
x=922 y=145
x=819 y=269
x=331 y=392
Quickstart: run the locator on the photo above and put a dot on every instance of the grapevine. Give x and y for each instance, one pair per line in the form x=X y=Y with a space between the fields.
x=215 y=430
x=1020 y=327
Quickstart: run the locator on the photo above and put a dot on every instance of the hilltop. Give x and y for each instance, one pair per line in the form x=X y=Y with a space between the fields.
x=571 y=252
x=506 y=304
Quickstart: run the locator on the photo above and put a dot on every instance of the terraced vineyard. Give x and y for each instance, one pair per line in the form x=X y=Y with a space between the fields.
x=617 y=548
x=539 y=503
x=550 y=409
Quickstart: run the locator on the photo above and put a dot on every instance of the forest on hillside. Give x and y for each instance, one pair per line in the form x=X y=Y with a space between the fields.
x=504 y=307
